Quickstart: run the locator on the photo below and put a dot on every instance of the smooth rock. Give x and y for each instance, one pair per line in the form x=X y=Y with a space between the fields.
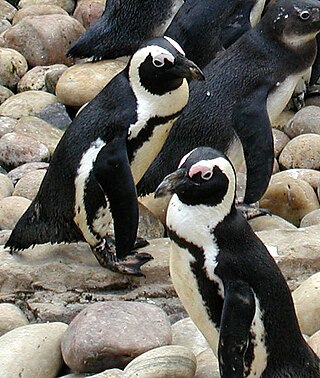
x=57 y=115
x=11 y=317
x=280 y=140
x=35 y=79
x=52 y=35
x=7 y=10
x=67 y=5
x=311 y=219
x=16 y=174
x=28 y=186
x=268 y=222
x=39 y=130
x=11 y=209
x=4 y=236
x=185 y=333
x=89 y=11
x=5 y=93
x=314 y=342
x=301 y=152
x=26 y=104
x=6 y=125
x=17 y=149
x=86 y=80
x=307 y=303
x=6 y=186
x=110 y=373
x=207 y=365
x=283 y=119
x=313 y=101
x=305 y=121
x=172 y=361
x=311 y=176
x=290 y=199
x=149 y=225
x=13 y=66
x=111 y=334
x=32 y=351
x=158 y=206
x=4 y=25
x=37 y=10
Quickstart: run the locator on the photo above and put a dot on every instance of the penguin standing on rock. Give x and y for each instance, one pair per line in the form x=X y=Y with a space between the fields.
x=225 y=277
x=106 y=149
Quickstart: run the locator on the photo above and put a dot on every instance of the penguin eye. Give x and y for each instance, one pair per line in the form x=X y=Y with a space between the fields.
x=158 y=62
x=305 y=15
x=206 y=175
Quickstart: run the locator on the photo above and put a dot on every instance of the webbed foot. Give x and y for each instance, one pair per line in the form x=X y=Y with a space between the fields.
x=140 y=243
x=250 y=211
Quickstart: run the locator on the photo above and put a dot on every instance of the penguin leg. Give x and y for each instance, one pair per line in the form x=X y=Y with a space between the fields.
x=251 y=211
x=236 y=319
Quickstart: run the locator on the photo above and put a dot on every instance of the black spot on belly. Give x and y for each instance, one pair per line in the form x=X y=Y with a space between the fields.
x=249 y=355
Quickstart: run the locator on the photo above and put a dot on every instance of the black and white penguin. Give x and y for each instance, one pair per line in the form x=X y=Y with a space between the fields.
x=245 y=89
x=226 y=279
x=106 y=149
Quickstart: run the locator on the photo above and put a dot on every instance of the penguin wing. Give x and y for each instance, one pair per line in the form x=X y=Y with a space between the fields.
x=252 y=125
x=237 y=315
x=113 y=173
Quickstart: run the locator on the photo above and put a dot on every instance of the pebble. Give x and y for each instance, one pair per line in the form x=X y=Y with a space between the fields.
x=32 y=351
x=7 y=10
x=307 y=303
x=11 y=317
x=51 y=34
x=172 y=361
x=5 y=93
x=6 y=186
x=4 y=25
x=67 y=5
x=37 y=10
x=13 y=66
x=86 y=80
x=89 y=11
x=11 y=209
x=16 y=174
x=311 y=176
x=207 y=365
x=280 y=140
x=28 y=186
x=305 y=121
x=26 y=104
x=111 y=334
x=311 y=219
x=17 y=149
x=6 y=125
x=301 y=152
x=57 y=115
x=283 y=119
x=314 y=342
x=267 y=222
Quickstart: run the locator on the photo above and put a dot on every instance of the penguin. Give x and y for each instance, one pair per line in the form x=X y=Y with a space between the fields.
x=225 y=277
x=245 y=90
x=92 y=174
x=123 y=26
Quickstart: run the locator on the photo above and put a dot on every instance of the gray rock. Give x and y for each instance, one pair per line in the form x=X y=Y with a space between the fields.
x=149 y=225
x=11 y=317
x=3 y=171
x=29 y=184
x=7 y=10
x=280 y=140
x=6 y=125
x=111 y=334
x=5 y=93
x=67 y=5
x=4 y=25
x=11 y=209
x=37 y=10
x=16 y=174
x=6 y=186
x=13 y=66
x=305 y=121
x=207 y=365
x=52 y=79
x=267 y=222
x=56 y=115
x=311 y=219
x=314 y=343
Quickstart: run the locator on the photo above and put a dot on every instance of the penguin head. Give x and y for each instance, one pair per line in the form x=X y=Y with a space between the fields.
x=204 y=177
x=160 y=66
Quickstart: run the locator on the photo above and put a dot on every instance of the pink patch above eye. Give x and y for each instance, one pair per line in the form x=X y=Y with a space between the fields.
x=199 y=168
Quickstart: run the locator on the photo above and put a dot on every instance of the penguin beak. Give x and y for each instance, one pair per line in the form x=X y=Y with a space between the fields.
x=170 y=183
x=184 y=67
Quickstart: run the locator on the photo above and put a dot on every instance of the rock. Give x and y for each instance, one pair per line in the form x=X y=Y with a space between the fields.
x=307 y=303
x=290 y=199
x=168 y=361
x=185 y=333
x=35 y=79
x=111 y=334
x=158 y=206
x=11 y=317
x=52 y=35
x=149 y=225
x=314 y=343
x=86 y=80
x=11 y=209
x=207 y=365
x=282 y=120
x=6 y=186
x=305 y=121
x=6 y=125
x=52 y=78
x=37 y=10
x=301 y=152
x=26 y=104
x=89 y=11
x=3 y=171
x=29 y=184
x=7 y=10
x=280 y=140
x=4 y=236
x=39 y=130
x=67 y=5
x=16 y=174
x=268 y=222
x=4 y=25
x=57 y=115
x=13 y=66
x=32 y=351
x=5 y=93
x=311 y=176
x=16 y=149
x=311 y=219
x=313 y=101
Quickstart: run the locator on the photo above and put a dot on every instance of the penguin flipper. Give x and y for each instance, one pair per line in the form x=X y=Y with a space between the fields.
x=237 y=315
x=252 y=125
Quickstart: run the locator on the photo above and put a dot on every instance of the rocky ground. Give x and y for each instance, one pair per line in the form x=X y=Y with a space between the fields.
x=120 y=325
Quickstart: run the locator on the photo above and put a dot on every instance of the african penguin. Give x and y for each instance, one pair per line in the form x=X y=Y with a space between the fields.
x=245 y=89
x=226 y=279
x=106 y=149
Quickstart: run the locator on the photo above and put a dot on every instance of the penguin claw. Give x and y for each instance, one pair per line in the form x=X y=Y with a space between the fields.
x=251 y=212
x=140 y=243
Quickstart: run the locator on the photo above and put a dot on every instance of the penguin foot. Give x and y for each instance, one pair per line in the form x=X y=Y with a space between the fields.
x=251 y=212
x=140 y=243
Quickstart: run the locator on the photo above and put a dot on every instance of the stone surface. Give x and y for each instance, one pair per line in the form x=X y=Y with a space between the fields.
x=11 y=317
x=7 y=10
x=290 y=199
x=13 y=66
x=149 y=225
x=6 y=186
x=314 y=342
x=4 y=236
x=6 y=125
x=52 y=35
x=307 y=303
x=5 y=93
x=111 y=334
x=16 y=174
x=37 y=10
x=17 y=149
x=283 y=119
x=52 y=78
x=311 y=176
x=26 y=104
x=301 y=152
x=32 y=351
x=4 y=25
x=86 y=80
x=305 y=121
x=207 y=365
x=311 y=219
x=57 y=115
x=67 y=5
x=11 y=209
x=268 y=222
x=280 y=139
x=29 y=184
x=158 y=206
x=168 y=361
x=89 y=11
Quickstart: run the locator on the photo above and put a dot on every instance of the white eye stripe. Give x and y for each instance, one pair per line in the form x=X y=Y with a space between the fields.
x=159 y=59
x=207 y=175
x=304 y=15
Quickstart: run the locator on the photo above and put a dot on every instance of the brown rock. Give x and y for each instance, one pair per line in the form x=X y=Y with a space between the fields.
x=52 y=77
x=11 y=209
x=13 y=66
x=11 y=317
x=268 y=222
x=305 y=121
x=311 y=219
x=6 y=186
x=4 y=236
x=29 y=184
x=52 y=35
x=311 y=176
x=313 y=101
x=67 y=5
x=6 y=125
x=280 y=139
x=207 y=365
x=5 y=93
x=16 y=174
x=158 y=206
x=37 y=10
x=89 y=11
x=282 y=120
x=111 y=334
x=7 y=10
x=314 y=343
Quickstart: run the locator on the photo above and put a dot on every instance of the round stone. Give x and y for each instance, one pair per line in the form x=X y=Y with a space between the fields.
x=311 y=219
x=7 y=10
x=280 y=140
x=16 y=174
x=268 y=222
x=13 y=66
x=6 y=186
x=207 y=365
x=5 y=93
x=305 y=121
x=89 y=11
x=37 y=10
x=67 y=5
x=6 y=125
x=283 y=119
x=11 y=210
x=314 y=342
x=311 y=176
x=28 y=186
x=11 y=317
